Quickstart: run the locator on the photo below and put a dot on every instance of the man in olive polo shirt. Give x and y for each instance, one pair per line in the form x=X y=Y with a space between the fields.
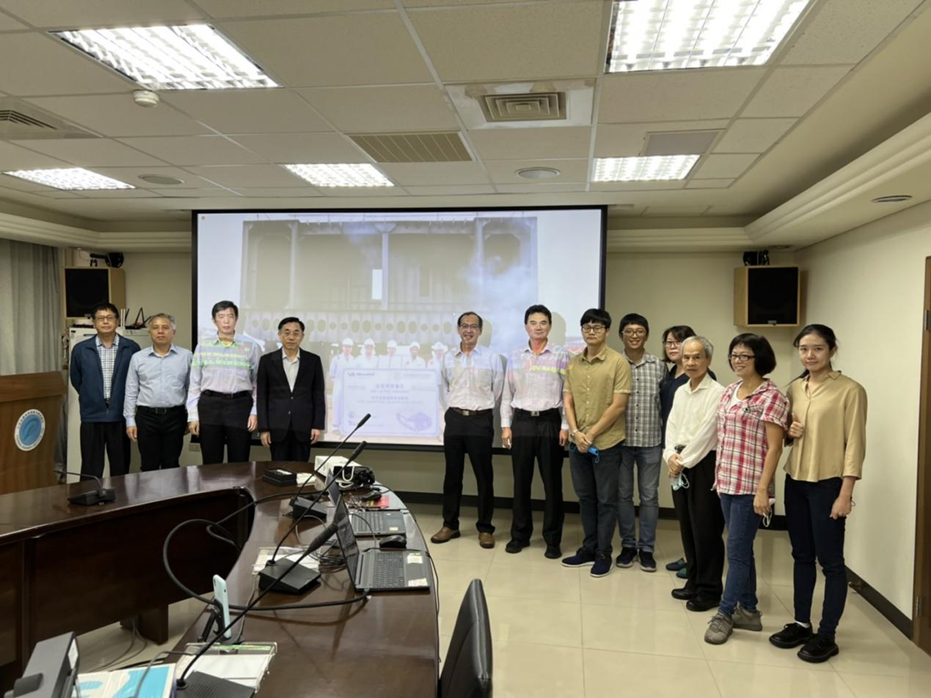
x=595 y=396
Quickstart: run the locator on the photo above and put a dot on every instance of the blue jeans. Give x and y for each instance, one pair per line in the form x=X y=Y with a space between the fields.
x=742 y=525
x=647 y=460
x=596 y=487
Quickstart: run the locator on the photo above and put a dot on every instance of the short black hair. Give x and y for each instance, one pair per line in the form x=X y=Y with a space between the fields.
x=470 y=312
x=679 y=333
x=105 y=306
x=224 y=305
x=764 y=356
x=289 y=320
x=634 y=319
x=596 y=315
x=541 y=309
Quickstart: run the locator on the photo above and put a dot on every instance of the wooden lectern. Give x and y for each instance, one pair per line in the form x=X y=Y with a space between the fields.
x=30 y=406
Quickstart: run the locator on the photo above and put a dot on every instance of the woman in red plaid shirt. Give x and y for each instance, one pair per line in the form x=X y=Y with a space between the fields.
x=752 y=420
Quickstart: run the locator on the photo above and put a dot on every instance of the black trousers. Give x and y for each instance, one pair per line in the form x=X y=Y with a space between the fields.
x=701 y=523
x=161 y=436
x=100 y=437
x=537 y=438
x=224 y=421
x=470 y=435
x=814 y=534
x=290 y=448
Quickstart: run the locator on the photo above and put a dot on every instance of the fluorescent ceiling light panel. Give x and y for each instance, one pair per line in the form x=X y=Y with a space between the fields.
x=183 y=57
x=341 y=175
x=644 y=169
x=675 y=34
x=71 y=178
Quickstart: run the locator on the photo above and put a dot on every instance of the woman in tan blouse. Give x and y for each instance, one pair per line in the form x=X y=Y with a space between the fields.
x=828 y=437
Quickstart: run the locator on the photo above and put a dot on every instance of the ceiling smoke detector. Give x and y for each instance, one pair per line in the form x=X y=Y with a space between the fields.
x=161 y=179
x=892 y=199
x=538 y=173
x=145 y=98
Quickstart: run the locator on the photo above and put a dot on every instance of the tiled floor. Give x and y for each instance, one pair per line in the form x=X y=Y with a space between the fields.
x=559 y=633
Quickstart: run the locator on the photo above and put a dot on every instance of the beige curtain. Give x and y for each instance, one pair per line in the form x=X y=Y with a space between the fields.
x=30 y=308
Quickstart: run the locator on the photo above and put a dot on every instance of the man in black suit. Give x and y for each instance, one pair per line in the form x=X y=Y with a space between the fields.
x=291 y=404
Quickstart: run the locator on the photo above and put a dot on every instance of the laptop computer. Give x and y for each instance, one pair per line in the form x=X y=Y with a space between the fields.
x=378 y=570
x=377 y=522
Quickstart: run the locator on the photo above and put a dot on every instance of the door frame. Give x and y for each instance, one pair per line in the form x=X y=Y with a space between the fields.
x=921 y=607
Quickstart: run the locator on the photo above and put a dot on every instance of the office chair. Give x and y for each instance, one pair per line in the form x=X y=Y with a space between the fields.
x=467 y=669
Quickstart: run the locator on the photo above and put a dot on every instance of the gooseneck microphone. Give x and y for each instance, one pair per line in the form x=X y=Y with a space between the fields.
x=102 y=495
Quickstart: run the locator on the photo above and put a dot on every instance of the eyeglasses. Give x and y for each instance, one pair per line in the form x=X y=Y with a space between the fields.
x=634 y=333
x=105 y=317
x=672 y=343
x=742 y=358
x=225 y=316
x=469 y=327
x=592 y=329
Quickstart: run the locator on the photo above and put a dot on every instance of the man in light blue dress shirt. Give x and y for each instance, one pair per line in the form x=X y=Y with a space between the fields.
x=156 y=389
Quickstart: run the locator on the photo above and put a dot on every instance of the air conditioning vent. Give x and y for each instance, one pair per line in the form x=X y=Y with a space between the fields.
x=19 y=120
x=413 y=147
x=679 y=142
x=16 y=117
x=531 y=106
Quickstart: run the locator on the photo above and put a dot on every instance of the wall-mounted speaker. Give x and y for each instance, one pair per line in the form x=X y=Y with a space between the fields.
x=85 y=287
x=767 y=296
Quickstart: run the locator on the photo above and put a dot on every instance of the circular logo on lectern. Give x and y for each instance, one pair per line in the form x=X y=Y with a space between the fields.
x=29 y=430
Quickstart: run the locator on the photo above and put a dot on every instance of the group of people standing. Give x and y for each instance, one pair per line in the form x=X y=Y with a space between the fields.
x=623 y=414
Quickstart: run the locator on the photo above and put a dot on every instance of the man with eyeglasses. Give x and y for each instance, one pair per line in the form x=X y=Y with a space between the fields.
x=99 y=366
x=595 y=395
x=472 y=378
x=221 y=400
x=642 y=450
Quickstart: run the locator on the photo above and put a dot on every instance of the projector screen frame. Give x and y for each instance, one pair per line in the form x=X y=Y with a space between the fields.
x=427 y=448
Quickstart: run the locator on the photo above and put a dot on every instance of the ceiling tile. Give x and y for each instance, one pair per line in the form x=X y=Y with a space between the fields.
x=724 y=166
x=336 y=193
x=91 y=152
x=302 y=148
x=381 y=109
x=7 y=23
x=845 y=32
x=674 y=211
x=272 y=8
x=194 y=150
x=625 y=140
x=249 y=111
x=542 y=188
x=753 y=135
x=121 y=194
x=118 y=116
x=541 y=40
x=12 y=157
x=504 y=171
x=179 y=193
x=681 y=95
x=250 y=176
x=793 y=91
x=130 y=175
x=435 y=173
x=46 y=66
x=459 y=190
x=532 y=143
x=709 y=183
x=353 y=49
x=68 y=14
x=290 y=192
x=636 y=186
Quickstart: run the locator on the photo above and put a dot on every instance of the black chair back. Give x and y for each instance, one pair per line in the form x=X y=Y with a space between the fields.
x=467 y=668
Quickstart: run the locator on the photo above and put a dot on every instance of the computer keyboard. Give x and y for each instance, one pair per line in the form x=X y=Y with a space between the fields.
x=371 y=521
x=388 y=572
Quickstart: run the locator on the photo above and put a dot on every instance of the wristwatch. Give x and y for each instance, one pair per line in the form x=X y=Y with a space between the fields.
x=572 y=433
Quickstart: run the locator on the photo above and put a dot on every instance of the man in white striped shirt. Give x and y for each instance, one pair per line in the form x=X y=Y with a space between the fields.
x=534 y=427
x=473 y=378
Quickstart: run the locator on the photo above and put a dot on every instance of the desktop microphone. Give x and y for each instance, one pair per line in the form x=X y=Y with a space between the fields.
x=101 y=496
x=290 y=576
x=302 y=505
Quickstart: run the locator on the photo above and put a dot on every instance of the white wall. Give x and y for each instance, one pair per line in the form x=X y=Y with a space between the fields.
x=868 y=285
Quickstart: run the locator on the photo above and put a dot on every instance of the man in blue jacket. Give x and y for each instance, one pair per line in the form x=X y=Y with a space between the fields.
x=99 y=366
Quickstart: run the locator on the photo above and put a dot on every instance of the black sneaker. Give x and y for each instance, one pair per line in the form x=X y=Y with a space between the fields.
x=819 y=648
x=791 y=635
x=676 y=566
x=582 y=558
x=515 y=546
x=647 y=561
x=552 y=552
x=602 y=566
x=627 y=557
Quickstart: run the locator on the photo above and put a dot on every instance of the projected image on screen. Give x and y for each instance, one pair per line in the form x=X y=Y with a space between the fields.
x=380 y=293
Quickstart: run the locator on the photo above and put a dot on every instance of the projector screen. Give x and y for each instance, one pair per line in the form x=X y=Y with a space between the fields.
x=380 y=293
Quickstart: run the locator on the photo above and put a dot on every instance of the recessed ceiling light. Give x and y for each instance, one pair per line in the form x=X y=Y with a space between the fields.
x=341 y=175
x=892 y=199
x=671 y=34
x=183 y=57
x=644 y=169
x=72 y=178
x=161 y=179
x=538 y=172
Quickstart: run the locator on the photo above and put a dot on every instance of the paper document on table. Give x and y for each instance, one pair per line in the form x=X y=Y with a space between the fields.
x=158 y=682
x=265 y=554
x=245 y=664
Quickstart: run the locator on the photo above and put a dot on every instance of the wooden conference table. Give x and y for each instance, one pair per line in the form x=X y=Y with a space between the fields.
x=65 y=567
